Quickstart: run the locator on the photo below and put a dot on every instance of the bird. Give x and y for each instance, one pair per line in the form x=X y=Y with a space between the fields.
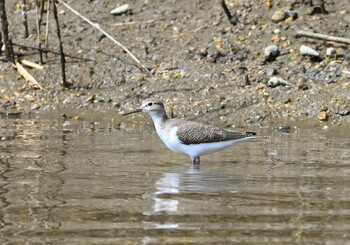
x=189 y=137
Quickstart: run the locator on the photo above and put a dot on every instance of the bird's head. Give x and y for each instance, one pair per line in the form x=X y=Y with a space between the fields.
x=150 y=106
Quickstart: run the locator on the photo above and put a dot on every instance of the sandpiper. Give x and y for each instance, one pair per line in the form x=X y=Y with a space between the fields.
x=187 y=137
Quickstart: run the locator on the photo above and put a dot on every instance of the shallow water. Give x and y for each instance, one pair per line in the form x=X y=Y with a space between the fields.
x=94 y=183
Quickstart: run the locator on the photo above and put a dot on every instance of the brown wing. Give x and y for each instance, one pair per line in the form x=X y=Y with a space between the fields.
x=196 y=133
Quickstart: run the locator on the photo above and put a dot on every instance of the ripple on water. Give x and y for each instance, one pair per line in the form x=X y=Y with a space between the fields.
x=65 y=183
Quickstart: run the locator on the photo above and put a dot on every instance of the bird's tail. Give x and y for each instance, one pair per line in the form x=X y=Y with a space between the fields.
x=255 y=136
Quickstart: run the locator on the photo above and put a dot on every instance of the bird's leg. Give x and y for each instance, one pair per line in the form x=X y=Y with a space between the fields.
x=196 y=160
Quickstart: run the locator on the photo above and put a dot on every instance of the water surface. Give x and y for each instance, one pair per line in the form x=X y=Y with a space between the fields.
x=68 y=182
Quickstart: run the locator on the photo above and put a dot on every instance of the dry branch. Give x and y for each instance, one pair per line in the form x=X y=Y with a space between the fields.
x=107 y=35
x=38 y=29
x=232 y=18
x=5 y=33
x=32 y=64
x=24 y=18
x=130 y=23
x=62 y=57
x=322 y=37
x=51 y=51
x=46 y=40
x=30 y=80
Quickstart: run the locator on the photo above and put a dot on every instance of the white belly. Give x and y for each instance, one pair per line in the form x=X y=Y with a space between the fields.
x=171 y=140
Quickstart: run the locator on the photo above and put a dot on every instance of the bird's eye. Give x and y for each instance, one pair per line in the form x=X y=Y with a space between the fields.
x=150 y=103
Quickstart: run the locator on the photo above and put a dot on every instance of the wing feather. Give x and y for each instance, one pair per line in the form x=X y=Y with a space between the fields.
x=196 y=133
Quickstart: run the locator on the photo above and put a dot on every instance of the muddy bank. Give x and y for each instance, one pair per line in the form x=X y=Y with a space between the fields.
x=202 y=66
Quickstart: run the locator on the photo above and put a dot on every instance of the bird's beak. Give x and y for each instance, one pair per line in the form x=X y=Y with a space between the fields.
x=131 y=112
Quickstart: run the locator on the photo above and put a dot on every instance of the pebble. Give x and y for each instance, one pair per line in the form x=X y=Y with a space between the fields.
x=338 y=71
x=305 y=50
x=277 y=81
x=322 y=116
x=301 y=84
x=30 y=98
x=148 y=39
x=271 y=51
x=278 y=16
x=330 y=51
x=344 y=112
x=270 y=71
x=35 y=106
x=121 y=9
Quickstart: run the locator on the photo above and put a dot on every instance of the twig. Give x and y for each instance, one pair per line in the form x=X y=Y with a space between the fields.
x=38 y=27
x=107 y=35
x=42 y=7
x=63 y=60
x=24 y=18
x=322 y=37
x=30 y=80
x=4 y=29
x=51 y=51
x=129 y=23
x=231 y=18
x=11 y=51
x=189 y=32
x=32 y=64
x=0 y=41
x=46 y=41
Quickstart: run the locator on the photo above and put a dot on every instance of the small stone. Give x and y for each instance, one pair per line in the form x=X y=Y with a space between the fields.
x=197 y=103
x=270 y=71
x=344 y=112
x=275 y=39
x=345 y=85
x=338 y=71
x=278 y=16
x=121 y=9
x=305 y=50
x=271 y=51
x=301 y=84
x=203 y=51
x=91 y=98
x=148 y=39
x=30 y=98
x=322 y=116
x=288 y=20
x=330 y=51
x=241 y=38
x=36 y=106
x=277 y=81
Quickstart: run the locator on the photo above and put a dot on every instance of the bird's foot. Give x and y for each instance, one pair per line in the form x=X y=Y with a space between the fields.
x=196 y=160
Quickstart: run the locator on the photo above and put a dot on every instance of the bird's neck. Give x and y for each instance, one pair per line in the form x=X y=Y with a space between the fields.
x=159 y=117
